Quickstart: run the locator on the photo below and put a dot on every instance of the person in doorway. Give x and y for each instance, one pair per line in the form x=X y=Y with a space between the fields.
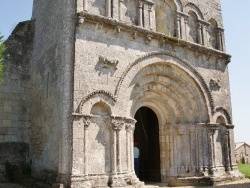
x=136 y=158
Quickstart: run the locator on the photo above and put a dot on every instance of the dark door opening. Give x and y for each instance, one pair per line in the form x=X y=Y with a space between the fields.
x=147 y=136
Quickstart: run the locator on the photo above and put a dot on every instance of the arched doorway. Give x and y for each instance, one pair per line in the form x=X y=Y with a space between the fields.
x=147 y=136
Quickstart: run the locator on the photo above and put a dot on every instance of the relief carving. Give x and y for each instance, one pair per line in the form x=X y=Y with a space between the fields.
x=214 y=85
x=108 y=63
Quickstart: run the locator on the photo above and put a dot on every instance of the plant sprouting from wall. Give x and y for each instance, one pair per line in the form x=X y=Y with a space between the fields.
x=2 y=49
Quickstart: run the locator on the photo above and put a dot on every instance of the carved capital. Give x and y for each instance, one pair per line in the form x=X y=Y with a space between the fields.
x=117 y=123
x=86 y=121
x=212 y=128
x=130 y=125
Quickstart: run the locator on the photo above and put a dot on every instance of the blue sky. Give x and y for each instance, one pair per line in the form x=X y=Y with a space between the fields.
x=236 y=16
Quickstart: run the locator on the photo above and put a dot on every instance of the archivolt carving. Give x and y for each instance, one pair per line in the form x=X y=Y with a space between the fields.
x=104 y=95
x=224 y=112
x=182 y=64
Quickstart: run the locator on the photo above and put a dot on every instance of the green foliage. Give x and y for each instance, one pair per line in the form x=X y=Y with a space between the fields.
x=10 y=171
x=2 y=49
x=244 y=169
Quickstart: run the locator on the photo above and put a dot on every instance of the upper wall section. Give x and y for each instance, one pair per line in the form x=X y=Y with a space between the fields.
x=194 y=21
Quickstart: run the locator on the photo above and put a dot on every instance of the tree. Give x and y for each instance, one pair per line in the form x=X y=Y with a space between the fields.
x=2 y=49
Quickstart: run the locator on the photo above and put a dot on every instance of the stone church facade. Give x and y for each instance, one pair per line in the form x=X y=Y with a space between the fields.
x=98 y=75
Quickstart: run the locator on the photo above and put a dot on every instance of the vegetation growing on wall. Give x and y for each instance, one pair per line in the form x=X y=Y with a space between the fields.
x=2 y=49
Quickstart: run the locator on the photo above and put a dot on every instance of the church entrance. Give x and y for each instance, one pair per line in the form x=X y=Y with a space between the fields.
x=147 y=136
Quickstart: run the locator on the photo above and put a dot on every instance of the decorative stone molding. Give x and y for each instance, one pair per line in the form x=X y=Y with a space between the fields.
x=225 y=113
x=214 y=85
x=91 y=18
x=111 y=96
x=185 y=65
x=229 y=126
x=108 y=63
x=213 y=127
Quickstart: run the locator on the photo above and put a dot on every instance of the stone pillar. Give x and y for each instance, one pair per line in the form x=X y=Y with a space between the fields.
x=205 y=34
x=200 y=33
x=140 y=14
x=213 y=128
x=182 y=20
x=219 y=39
x=79 y=177
x=116 y=180
x=185 y=28
x=108 y=9
x=231 y=149
x=115 y=9
x=227 y=145
x=120 y=9
x=179 y=29
x=86 y=122
x=85 y=5
x=150 y=16
x=130 y=127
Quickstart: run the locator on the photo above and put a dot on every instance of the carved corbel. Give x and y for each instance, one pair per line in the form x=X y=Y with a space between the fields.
x=134 y=34
x=208 y=55
x=81 y=20
x=148 y=39
x=118 y=29
x=197 y=53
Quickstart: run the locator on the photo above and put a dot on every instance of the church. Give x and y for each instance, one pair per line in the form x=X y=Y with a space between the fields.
x=85 y=79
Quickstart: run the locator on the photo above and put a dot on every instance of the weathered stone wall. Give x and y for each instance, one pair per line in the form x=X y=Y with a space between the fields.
x=51 y=68
x=15 y=89
x=177 y=67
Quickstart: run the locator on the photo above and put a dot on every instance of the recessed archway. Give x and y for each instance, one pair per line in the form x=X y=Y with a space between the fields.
x=147 y=136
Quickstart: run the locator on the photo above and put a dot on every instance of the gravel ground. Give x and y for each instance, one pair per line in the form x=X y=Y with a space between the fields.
x=245 y=183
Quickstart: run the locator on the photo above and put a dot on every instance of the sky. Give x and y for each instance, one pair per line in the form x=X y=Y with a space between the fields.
x=236 y=18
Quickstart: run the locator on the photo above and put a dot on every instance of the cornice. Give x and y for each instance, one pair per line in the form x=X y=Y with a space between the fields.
x=83 y=17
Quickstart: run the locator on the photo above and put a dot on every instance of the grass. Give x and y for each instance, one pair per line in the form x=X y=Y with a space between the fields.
x=244 y=169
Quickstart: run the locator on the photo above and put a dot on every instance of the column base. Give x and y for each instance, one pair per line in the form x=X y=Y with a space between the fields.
x=80 y=182
x=125 y=180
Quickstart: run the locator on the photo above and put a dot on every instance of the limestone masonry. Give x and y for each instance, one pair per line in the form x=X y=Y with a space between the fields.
x=85 y=79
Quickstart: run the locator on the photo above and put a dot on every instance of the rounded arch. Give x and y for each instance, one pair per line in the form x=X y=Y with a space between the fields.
x=192 y=7
x=182 y=89
x=101 y=109
x=192 y=27
x=212 y=41
x=95 y=97
x=179 y=5
x=220 y=113
x=166 y=17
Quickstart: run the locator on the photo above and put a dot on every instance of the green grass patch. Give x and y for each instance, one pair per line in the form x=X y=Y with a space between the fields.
x=244 y=169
